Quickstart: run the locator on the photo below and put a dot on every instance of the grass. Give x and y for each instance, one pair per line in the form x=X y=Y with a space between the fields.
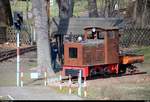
x=21 y=6
x=65 y=90
x=31 y=65
x=120 y=91
x=4 y=98
x=145 y=51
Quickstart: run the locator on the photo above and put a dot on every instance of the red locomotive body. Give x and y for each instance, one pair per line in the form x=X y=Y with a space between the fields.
x=98 y=52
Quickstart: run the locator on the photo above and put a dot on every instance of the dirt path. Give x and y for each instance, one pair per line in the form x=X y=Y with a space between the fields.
x=35 y=93
x=32 y=90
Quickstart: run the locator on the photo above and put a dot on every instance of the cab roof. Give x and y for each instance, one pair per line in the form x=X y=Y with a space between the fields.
x=100 y=28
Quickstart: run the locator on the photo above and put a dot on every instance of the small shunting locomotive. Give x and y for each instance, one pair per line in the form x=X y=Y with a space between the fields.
x=97 y=51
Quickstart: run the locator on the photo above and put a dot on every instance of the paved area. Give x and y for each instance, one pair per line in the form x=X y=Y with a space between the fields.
x=35 y=93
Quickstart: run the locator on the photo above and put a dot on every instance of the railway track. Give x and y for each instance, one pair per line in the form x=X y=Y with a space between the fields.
x=13 y=53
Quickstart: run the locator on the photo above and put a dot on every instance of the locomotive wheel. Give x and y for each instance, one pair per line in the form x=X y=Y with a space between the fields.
x=92 y=72
x=122 y=69
x=106 y=72
x=131 y=69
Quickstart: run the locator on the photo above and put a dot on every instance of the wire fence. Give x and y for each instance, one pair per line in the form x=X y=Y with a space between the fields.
x=135 y=37
x=25 y=37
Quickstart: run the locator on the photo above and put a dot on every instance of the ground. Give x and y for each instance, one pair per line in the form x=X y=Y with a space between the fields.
x=130 y=87
x=35 y=93
x=33 y=89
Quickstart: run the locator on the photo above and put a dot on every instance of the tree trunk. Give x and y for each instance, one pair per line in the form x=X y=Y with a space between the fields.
x=65 y=8
x=27 y=9
x=147 y=20
x=146 y=14
x=110 y=8
x=65 y=12
x=140 y=12
x=41 y=29
x=5 y=13
x=107 y=3
x=92 y=8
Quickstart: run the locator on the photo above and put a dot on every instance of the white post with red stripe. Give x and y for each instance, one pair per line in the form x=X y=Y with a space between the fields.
x=18 y=60
x=85 y=87
x=21 y=78
x=80 y=83
x=60 y=79
x=70 y=84
x=45 y=75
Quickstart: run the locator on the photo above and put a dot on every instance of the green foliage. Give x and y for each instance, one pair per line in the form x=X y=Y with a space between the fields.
x=21 y=6
x=65 y=90
x=54 y=10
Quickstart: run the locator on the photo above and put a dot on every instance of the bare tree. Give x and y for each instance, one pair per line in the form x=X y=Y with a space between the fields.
x=141 y=12
x=110 y=7
x=41 y=29
x=92 y=8
x=147 y=13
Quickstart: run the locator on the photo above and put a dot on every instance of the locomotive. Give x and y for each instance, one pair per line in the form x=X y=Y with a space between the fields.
x=97 y=51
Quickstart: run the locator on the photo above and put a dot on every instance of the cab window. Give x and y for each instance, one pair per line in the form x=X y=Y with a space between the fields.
x=73 y=52
x=111 y=34
x=100 y=35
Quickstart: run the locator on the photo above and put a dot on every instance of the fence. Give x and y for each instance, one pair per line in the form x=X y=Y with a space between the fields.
x=132 y=36
x=24 y=36
x=135 y=37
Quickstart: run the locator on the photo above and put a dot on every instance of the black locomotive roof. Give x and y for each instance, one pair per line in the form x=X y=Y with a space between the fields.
x=101 y=28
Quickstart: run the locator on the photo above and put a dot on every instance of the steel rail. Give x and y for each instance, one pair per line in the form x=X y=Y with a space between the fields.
x=12 y=53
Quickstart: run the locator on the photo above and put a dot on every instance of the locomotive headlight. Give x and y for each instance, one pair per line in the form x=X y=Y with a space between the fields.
x=93 y=30
x=79 y=38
